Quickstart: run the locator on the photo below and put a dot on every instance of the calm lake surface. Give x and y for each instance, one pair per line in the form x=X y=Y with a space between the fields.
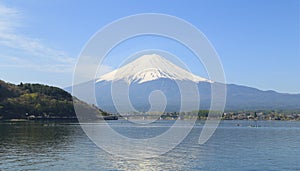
x=275 y=145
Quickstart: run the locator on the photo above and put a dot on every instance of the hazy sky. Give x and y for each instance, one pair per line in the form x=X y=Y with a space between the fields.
x=258 y=41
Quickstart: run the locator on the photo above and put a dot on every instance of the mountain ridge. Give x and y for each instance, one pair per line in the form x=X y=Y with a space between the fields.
x=154 y=73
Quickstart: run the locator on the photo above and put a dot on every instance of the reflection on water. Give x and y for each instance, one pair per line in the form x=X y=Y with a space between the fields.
x=28 y=144
x=64 y=146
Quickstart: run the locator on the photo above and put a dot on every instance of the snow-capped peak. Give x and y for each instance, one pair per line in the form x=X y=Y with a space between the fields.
x=148 y=68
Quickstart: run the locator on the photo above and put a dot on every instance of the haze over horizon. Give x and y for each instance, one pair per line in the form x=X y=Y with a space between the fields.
x=258 y=42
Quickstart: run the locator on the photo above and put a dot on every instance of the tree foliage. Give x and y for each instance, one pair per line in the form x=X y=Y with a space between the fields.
x=35 y=100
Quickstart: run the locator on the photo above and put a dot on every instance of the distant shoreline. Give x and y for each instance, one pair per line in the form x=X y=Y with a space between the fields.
x=55 y=119
x=120 y=119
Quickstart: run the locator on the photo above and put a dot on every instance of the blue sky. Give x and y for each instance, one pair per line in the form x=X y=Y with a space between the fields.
x=258 y=41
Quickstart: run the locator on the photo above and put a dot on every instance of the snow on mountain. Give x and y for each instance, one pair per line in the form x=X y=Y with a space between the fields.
x=149 y=68
x=146 y=72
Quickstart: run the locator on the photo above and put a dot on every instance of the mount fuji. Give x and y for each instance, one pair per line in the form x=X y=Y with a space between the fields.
x=136 y=84
x=149 y=68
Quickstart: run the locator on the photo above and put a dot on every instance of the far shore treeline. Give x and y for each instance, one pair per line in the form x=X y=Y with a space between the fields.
x=43 y=102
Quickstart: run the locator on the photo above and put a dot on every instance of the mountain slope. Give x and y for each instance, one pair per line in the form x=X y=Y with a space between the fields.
x=149 y=68
x=242 y=97
x=139 y=78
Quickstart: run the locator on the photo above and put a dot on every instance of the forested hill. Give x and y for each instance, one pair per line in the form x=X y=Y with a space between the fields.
x=25 y=101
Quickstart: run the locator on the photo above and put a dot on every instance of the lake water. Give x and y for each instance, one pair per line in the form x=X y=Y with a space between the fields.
x=275 y=145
